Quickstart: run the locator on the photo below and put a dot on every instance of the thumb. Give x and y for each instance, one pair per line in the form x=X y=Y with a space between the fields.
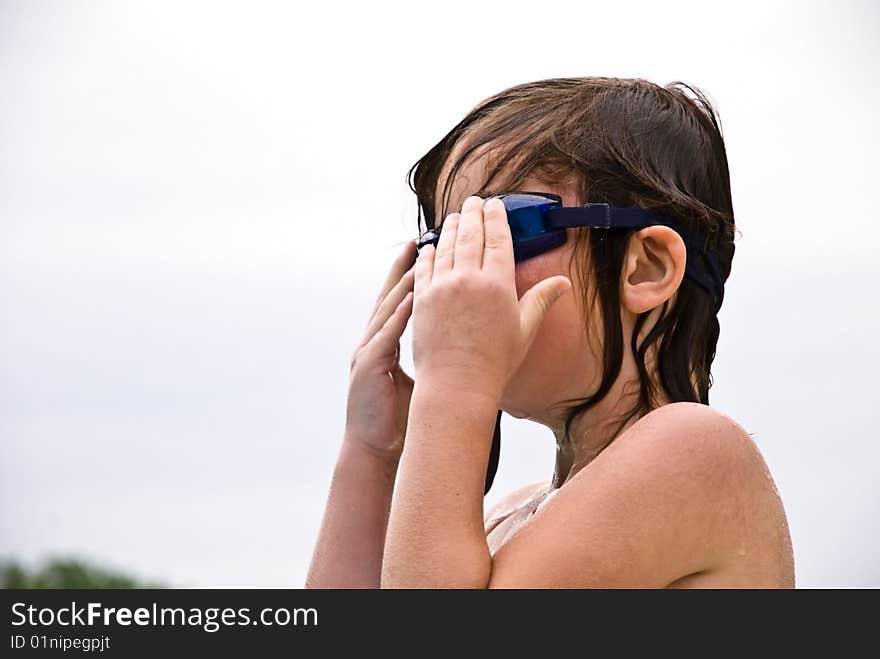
x=536 y=302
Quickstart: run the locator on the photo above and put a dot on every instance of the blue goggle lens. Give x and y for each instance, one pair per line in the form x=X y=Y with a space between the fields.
x=526 y=217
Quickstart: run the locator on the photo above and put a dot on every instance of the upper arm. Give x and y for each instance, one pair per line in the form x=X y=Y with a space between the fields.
x=667 y=498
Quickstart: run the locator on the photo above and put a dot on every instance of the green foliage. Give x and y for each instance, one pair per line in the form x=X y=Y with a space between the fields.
x=65 y=573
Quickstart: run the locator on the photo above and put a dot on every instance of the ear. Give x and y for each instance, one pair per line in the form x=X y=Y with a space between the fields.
x=653 y=268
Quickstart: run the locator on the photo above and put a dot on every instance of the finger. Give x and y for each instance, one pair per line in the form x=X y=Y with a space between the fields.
x=402 y=263
x=386 y=342
x=536 y=303
x=396 y=323
x=389 y=304
x=498 y=249
x=469 y=239
x=424 y=269
x=444 y=259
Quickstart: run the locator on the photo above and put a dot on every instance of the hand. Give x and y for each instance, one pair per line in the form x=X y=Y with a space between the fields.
x=469 y=327
x=379 y=390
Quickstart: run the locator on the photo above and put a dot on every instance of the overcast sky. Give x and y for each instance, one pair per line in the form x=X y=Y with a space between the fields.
x=199 y=202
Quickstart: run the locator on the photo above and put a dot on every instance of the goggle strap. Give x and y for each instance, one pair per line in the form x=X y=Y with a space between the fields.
x=604 y=216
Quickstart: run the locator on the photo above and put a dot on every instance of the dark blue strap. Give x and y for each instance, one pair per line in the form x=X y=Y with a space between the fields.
x=605 y=216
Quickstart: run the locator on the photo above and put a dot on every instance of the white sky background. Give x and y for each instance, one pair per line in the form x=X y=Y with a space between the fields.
x=199 y=202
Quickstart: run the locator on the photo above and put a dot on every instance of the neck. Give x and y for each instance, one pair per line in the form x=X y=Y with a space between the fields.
x=593 y=430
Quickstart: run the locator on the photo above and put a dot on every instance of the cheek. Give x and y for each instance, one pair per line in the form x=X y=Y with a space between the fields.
x=557 y=365
x=562 y=329
x=531 y=271
x=563 y=314
x=561 y=335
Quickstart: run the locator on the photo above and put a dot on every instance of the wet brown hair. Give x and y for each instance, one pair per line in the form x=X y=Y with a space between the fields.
x=626 y=142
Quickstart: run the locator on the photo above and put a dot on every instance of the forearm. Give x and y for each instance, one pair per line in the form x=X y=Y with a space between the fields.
x=436 y=536
x=348 y=553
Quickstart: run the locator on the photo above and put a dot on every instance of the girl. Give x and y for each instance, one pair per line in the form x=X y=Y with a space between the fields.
x=605 y=334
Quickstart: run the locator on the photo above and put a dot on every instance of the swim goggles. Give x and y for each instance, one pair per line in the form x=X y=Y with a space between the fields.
x=537 y=224
x=538 y=221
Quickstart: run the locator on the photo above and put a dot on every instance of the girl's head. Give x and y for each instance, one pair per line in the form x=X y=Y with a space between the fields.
x=635 y=325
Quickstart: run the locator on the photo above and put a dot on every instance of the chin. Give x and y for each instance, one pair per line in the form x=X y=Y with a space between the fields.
x=515 y=413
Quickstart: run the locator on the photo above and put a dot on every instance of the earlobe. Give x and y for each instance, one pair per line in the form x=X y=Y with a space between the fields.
x=653 y=268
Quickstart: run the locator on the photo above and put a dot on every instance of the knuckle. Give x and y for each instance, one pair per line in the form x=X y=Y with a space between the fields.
x=455 y=284
x=421 y=304
x=457 y=281
x=543 y=304
x=495 y=287
x=495 y=241
x=467 y=283
x=499 y=284
x=467 y=235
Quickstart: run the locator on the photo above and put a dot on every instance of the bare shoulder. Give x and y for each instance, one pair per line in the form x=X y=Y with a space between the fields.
x=697 y=430
x=698 y=452
x=697 y=447
x=682 y=498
